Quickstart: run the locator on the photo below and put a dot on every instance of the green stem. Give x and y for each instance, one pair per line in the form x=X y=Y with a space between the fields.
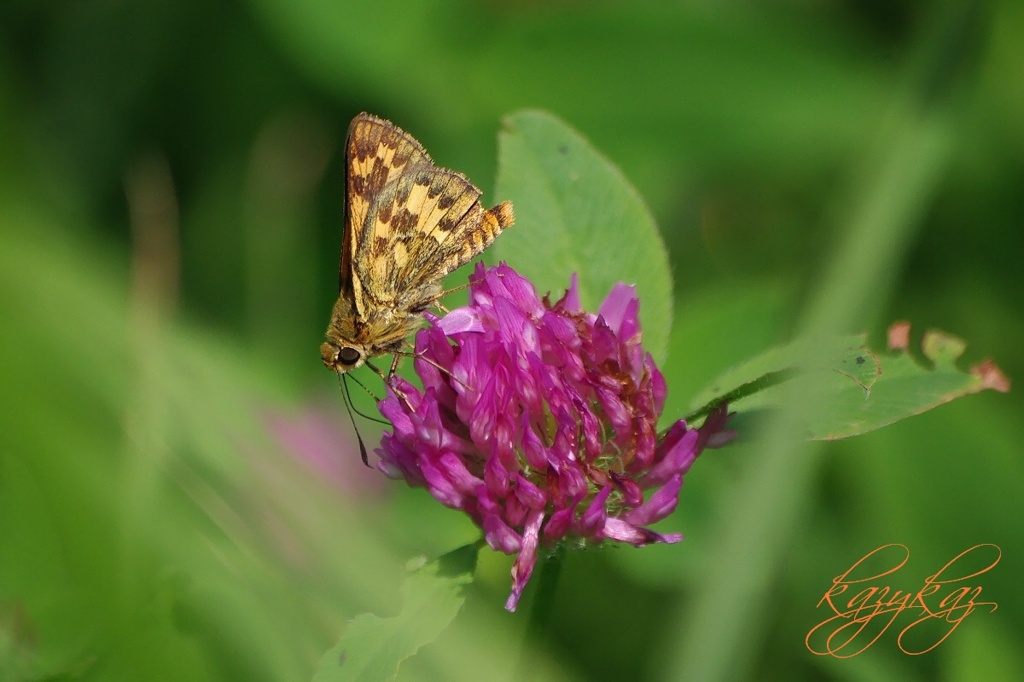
x=539 y=625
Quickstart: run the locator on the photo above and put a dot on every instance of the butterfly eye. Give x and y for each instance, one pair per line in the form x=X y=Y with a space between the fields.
x=348 y=356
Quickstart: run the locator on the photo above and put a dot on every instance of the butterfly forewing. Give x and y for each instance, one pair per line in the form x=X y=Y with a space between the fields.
x=376 y=153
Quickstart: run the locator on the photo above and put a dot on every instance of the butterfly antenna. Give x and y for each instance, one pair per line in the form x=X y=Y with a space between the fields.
x=352 y=419
x=369 y=393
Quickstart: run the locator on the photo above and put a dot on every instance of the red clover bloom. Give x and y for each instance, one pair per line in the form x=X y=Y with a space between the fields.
x=539 y=421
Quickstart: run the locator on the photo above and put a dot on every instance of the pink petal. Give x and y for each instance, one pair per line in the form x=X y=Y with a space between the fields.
x=461 y=321
x=675 y=455
x=522 y=569
x=617 y=529
x=658 y=506
x=499 y=536
x=616 y=306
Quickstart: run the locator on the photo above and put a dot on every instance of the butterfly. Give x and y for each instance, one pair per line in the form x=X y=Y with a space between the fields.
x=408 y=223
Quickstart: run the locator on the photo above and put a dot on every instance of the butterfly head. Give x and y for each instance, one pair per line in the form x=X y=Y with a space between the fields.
x=342 y=358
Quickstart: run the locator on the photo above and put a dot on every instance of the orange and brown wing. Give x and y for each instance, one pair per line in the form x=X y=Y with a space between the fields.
x=408 y=223
x=424 y=225
x=377 y=152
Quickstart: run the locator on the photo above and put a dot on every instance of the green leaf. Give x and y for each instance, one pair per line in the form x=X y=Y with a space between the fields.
x=576 y=212
x=372 y=648
x=856 y=390
x=845 y=356
x=906 y=387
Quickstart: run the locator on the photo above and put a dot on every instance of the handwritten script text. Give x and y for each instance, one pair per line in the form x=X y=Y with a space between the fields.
x=944 y=599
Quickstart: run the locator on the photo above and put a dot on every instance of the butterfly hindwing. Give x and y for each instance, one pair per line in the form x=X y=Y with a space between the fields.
x=420 y=228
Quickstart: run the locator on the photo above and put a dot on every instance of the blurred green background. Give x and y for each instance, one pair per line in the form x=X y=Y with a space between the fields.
x=180 y=494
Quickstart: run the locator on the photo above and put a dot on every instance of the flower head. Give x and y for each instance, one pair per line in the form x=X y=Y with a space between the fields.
x=539 y=421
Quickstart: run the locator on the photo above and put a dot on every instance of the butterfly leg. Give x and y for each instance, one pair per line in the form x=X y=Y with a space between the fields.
x=387 y=378
x=443 y=370
x=437 y=302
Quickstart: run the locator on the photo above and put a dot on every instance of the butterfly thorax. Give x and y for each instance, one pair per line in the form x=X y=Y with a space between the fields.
x=354 y=337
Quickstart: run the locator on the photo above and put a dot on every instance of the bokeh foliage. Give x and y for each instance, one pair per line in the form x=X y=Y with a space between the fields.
x=180 y=497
